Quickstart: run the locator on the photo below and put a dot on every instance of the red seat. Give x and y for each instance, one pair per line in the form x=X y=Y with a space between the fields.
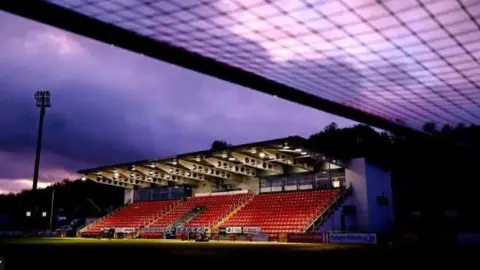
x=132 y=216
x=282 y=212
x=216 y=208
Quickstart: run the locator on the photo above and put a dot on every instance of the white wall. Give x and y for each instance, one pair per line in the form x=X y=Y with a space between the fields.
x=369 y=182
x=251 y=184
x=334 y=222
x=378 y=184
x=356 y=174
x=203 y=187
x=128 y=195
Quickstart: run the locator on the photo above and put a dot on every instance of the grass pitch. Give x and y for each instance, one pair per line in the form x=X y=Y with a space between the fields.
x=65 y=253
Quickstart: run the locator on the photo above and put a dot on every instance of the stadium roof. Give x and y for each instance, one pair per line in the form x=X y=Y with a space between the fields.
x=274 y=157
x=391 y=64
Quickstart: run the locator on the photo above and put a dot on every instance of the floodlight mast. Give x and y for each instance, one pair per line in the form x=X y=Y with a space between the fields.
x=43 y=101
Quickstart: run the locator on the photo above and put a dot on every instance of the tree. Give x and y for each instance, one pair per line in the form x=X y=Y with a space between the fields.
x=219 y=145
x=430 y=127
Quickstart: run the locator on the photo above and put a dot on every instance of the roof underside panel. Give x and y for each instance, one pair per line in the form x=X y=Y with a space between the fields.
x=407 y=62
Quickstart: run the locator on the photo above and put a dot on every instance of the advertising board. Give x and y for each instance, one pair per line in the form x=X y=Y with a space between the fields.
x=260 y=237
x=307 y=237
x=251 y=230
x=353 y=238
x=468 y=238
x=124 y=230
x=234 y=229
x=222 y=230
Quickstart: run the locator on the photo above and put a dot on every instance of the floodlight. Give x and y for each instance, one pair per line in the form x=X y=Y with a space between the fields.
x=84 y=178
x=262 y=155
x=231 y=158
x=43 y=99
x=304 y=153
x=298 y=150
x=44 y=214
x=336 y=183
x=28 y=213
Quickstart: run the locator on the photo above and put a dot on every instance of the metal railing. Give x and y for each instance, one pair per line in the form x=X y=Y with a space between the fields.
x=100 y=219
x=326 y=212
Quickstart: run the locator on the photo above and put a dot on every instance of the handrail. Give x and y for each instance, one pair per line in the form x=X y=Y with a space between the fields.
x=233 y=211
x=161 y=214
x=100 y=219
x=327 y=209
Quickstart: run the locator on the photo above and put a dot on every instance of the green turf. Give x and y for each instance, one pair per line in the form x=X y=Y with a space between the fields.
x=56 y=253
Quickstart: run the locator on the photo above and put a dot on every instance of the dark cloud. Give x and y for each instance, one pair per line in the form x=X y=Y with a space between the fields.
x=110 y=105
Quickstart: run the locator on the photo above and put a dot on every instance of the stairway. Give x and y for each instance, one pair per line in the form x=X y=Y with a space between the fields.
x=186 y=218
x=336 y=202
x=86 y=227
x=234 y=211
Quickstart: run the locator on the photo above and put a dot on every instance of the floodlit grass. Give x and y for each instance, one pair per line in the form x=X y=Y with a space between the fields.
x=64 y=253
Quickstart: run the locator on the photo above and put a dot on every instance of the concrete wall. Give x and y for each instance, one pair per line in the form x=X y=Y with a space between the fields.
x=379 y=184
x=334 y=222
x=356 y=175
x=128 y=195
x=251 y=184
x=203 y=187
x=369 y=182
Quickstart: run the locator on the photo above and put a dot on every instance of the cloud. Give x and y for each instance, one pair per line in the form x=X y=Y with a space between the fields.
x=17 y=185
x=110 y=105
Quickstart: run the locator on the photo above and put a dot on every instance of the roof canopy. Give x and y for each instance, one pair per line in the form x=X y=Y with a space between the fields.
x=235 y=163
x=391 y=64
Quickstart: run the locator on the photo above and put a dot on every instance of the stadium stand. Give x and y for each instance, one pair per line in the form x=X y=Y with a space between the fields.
x=215 y=207
x=282 y=212
x=132 y=216
x=276 y=187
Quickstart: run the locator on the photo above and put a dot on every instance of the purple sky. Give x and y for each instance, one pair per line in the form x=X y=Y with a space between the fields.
x=111 y=105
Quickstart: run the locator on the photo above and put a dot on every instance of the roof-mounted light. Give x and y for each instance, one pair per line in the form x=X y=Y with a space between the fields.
x=304 y=153
x=231 y=159
x=298 y=150
x=262 y=155
x=84 y=178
